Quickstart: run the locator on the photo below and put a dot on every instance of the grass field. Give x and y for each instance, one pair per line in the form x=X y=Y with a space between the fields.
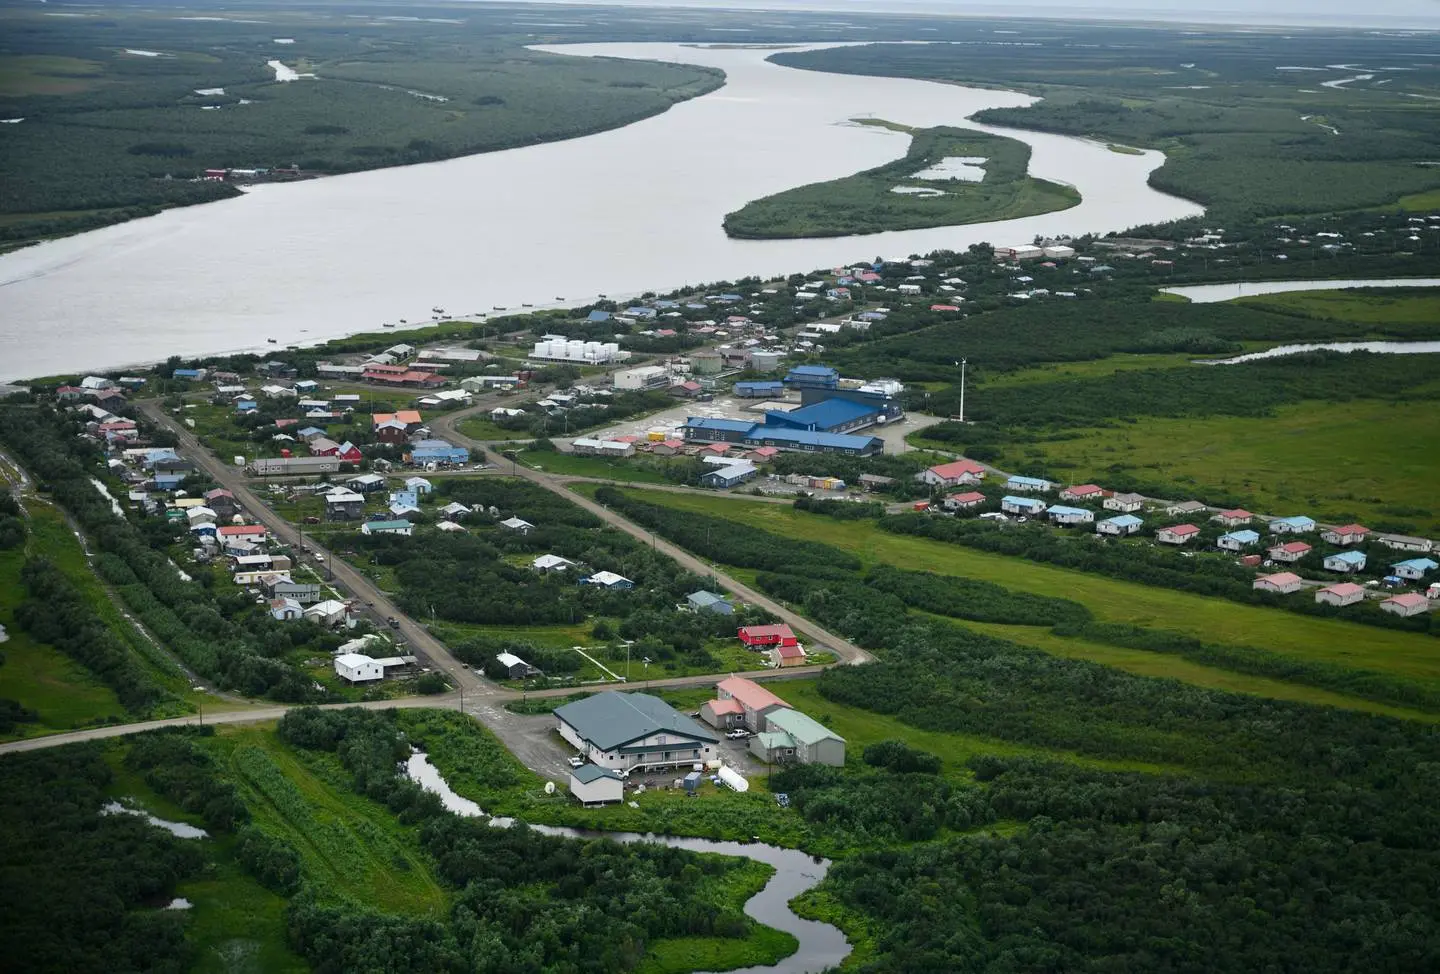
x=625 y=471
x=1091 y=369
x=1360 y=460
x=351 y=847
x=45 y=74
x=1410 y=655
x=480 y=428
x=1420 y=306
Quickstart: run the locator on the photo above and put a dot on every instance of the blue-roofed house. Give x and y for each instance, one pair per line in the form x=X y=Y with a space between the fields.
x=730 y=475
x=814 y=441
x=192 y=375
x=1238 y=540
x=439 y=452
x=246 y=406
x=759 y=390
x=419 y=485
x=598 y=316
x=1029 y=485
x=729 y=297
x=641 y=312
x=1299 y=524
x=1061 y=514
x=1022 y=505
x=1414 y=569
x=1345 y=561
x=1120 y=525
x=709 y=602
x=812 y=377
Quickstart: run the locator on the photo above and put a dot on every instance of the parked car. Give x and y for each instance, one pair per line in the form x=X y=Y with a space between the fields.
x=737 y=734
x=576 y=761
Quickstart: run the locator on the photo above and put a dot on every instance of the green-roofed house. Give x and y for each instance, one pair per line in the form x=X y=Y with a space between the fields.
x=791 y=736
x=626 y=731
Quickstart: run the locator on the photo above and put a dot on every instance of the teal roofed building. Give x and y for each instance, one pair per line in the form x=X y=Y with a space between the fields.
x=790 y=736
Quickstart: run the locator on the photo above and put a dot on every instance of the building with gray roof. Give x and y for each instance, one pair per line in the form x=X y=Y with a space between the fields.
x=625 y=731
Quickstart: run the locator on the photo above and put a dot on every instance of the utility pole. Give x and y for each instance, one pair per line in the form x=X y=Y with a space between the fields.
x=963 y=363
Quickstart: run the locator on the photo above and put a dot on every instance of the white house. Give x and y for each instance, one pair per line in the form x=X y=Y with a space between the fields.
x=1233 y=519
x=1022 y=505
x=1346 y=534
x=1119 y=525
x=1345 y=561
x=1281 y=583
x=551 y=563
x=1184 y=508
x=1299 y=524
x=609 y=580
x=330 y=613
x=1414 y=569
x=595 y=785
x=1177 y=534
x=1291 y=551
x=1346 y=593
x=516 y=524
x=956 y=474
x=1237 y=540
x=1401 y=542
x=1124 y=503
x=1029 y=485
x=1071 y=515
x=399 y=526
x=286 y=609
x=1409 y=604
x=1082 y=492
x=357 y=668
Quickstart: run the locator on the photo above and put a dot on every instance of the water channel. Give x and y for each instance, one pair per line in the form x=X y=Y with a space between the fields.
x=1211 y=293
x=1383 y=348
x=628 y=210
x=821 y=945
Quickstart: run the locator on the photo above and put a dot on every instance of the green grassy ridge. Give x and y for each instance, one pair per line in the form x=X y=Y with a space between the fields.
x=864 y=203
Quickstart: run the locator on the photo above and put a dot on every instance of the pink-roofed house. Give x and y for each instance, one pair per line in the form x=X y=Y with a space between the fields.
x=1234 y=519
x=717 y=449
x=1346 y=593
x=1178 y=534
x=1409 y=604
x=1281 y=583
x=1291 y=551
x=668 y=448
x=958 y=473
x=1082 y=492
x=1346 y=534
x=764 y=454
x=963 y=502
x=754 y=703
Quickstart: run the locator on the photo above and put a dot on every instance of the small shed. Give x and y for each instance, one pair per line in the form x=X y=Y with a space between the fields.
x=595 y=785
x=357 y=668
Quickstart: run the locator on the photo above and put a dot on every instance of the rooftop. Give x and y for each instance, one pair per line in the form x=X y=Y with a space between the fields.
x=804 y=729
x=749 y=693
x=612 y=719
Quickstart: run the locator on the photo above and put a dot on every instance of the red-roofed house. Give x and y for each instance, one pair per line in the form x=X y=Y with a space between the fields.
x=1081 y=493
x=776 y=635
x=1409 y=604
x=1291 y=551
x=960 y=473
x=1346 y=534
x=717 y=449
x=1281 y=583
x=1179 y=534
x=722 y=713
x=764 y=454
x=1346 y=593
x=789 y=656
x=255 y=532
x=754 y=701
x=1235 y=518
x=965 y=501
x=943 y=307
x=71 y=393
x=668 y=448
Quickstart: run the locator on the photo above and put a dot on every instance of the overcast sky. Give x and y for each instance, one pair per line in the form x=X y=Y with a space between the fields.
x=1379 y=13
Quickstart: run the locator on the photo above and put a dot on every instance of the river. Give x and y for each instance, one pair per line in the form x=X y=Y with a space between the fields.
x=632 y=209
x=821 y=945
x=1383 y=348
x=1211 y=293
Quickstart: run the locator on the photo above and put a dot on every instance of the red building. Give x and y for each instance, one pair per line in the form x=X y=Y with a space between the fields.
x=758 y=636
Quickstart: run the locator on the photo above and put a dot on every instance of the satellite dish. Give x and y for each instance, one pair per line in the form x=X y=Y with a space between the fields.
x=549 y=787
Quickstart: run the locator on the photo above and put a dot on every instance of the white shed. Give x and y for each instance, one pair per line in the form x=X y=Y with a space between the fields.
x=595 y=785
x=357 y=668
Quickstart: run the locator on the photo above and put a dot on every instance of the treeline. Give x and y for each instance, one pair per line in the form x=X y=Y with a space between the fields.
x=974 y=599
x=80 y=887
x=1161 y=567
x=56 y=612
x=221 y=637
x=12 y=522
x=523 y=900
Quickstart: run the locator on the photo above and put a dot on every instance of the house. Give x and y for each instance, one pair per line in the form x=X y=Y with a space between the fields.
x=357 y=668
x=517 y=525
x=1409 y=604
x=1022 y=505
x=419 y=486
x=1291 y=551
x=1280 y=583
x=594 y=785
x=1083 y=492
x=200 y=515
x=1237 y=540
x=759 y=390
x=398 y=526
x=960 y=473
x=1346 y=534
x=454 y=509
x=1185 y=508
x=1124 y=503
x=348 y=452
x=278 y=585
x=1233 y=519
x=1070 y=515
x=1177 y=534
x=366 y=483
x=407 y=419
x=439 y=452
x=505 y=412
x=515 y=667
x=1028 y=485
x=709 y=602
x=667 y=448
x=1120 y=525
x=222 y=502
x=729 y=476
x=286 y=610
x=330 y=613
x=784 y=656
x=755 y=703
x=404 y=500
x=1402 y=542
x=723 y=714
x=1299 y=524
x=551 y=563
x=1345 y=561
x=624 y=731
x=759 y=637
x=1346 y=593
x=344 y=505
x=323 y=446
x=610 y=580
x=962 y=502
x=791 y=736
x=1414 y=569
x=253 y=532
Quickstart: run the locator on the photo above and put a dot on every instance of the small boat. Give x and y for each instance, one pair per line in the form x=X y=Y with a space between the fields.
x=388 y=325
x=438 y=311
x=602 y=295
x=499 y=307
x=272 y=341
x=559 y=298
x=404 y=322
x=526 y=305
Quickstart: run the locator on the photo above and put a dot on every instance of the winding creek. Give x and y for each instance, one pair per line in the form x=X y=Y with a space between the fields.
x=620 y=212
x=821 y=945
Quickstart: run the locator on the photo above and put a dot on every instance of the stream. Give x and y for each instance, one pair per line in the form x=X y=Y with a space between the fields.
x=821 y=945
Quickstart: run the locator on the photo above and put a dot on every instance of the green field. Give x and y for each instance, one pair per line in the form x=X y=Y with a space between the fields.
x=1361 y=460
x=1411 y=655
x=1380 y=306
x=866 y=202
x=625 y=471
x=40 y=74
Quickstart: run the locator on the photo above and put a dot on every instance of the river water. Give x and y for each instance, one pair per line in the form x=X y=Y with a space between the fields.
x=1383 y=348
x=624 y=211
x=1211 y=293
x=821 y=945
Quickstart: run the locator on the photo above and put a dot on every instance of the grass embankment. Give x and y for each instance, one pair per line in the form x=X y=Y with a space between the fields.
x=1410 y=655
x=866 y=202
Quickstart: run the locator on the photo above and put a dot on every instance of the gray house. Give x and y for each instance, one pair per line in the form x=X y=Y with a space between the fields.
x=623 y=731
x=791 y=736
x=709 y=602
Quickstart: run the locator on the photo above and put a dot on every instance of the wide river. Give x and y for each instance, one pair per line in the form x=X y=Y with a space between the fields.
x=628 y=210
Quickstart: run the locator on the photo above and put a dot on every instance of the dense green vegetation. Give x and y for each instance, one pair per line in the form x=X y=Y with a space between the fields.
x=868 y=203
x=1243 y=132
